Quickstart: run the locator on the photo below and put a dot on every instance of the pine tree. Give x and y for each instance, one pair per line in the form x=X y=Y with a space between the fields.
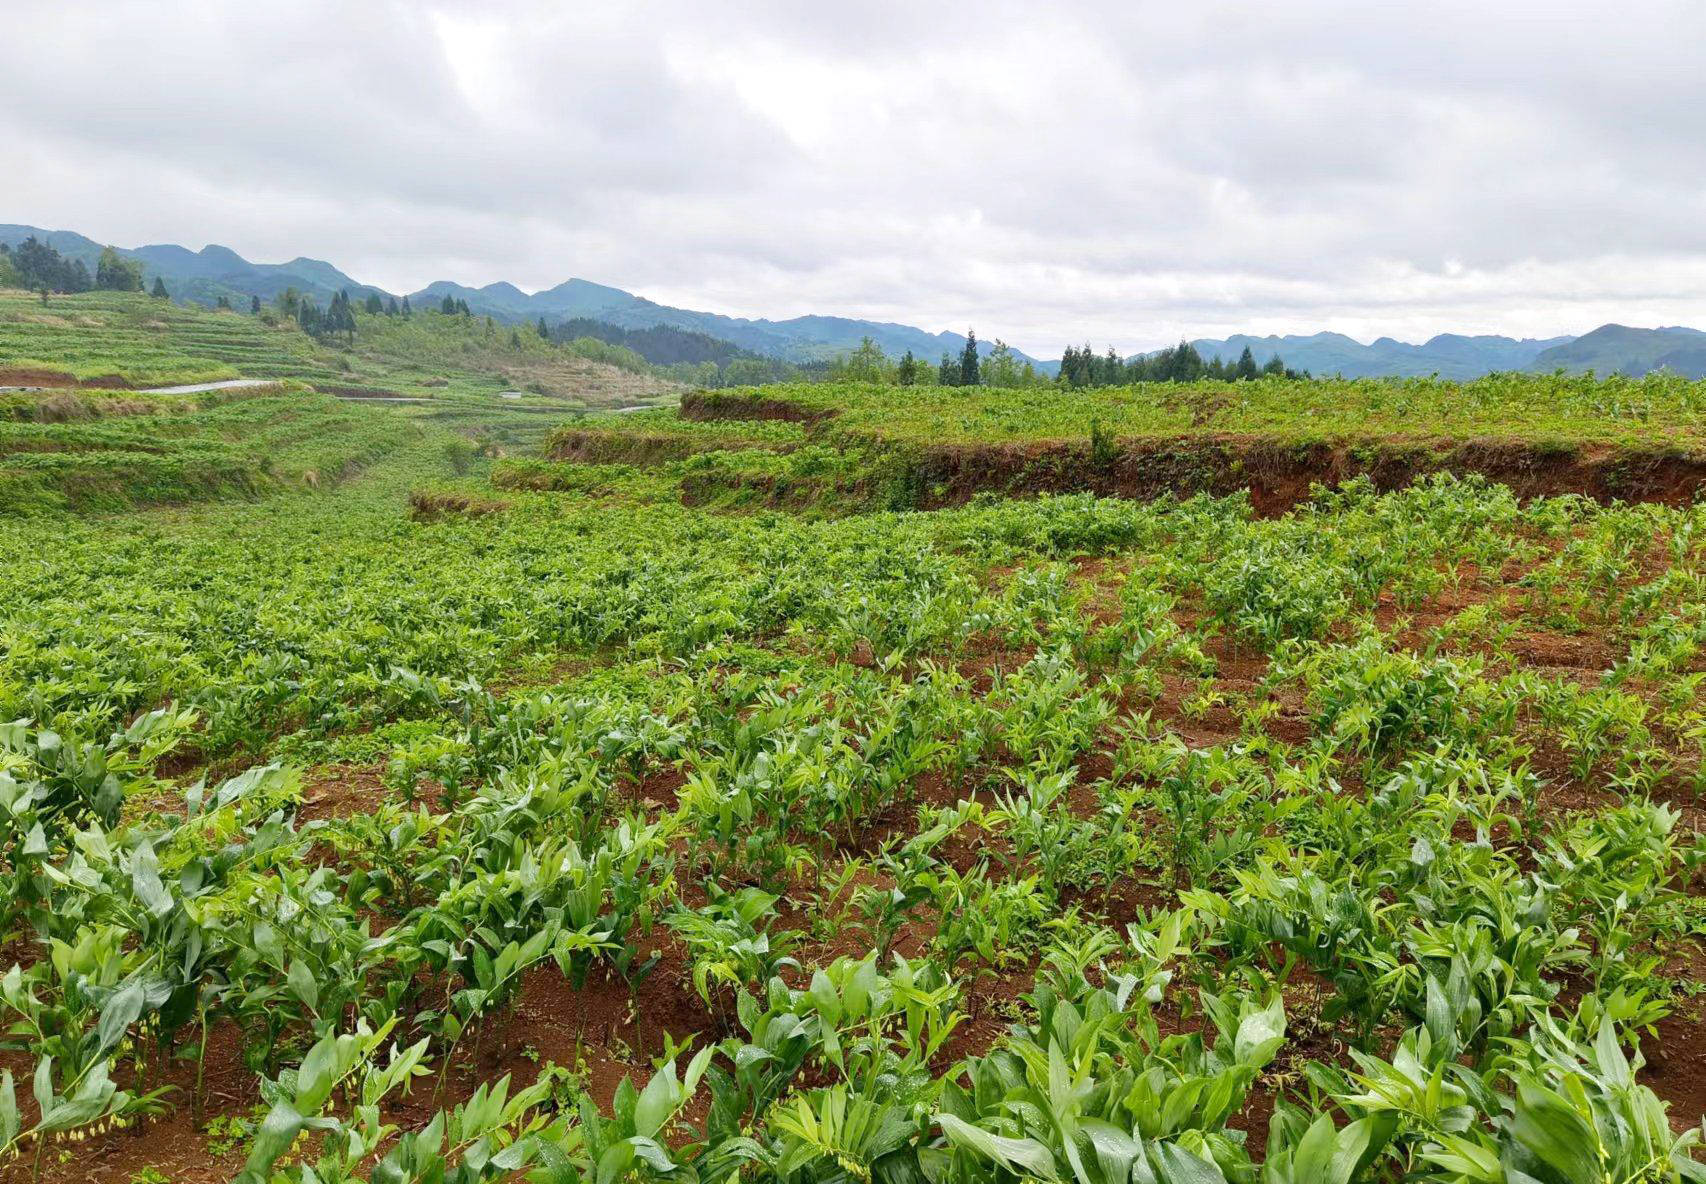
x=448 y=305
x=907 y=373
x=1246 y=366
x=407 y=311
x=949 y=373
x=968 y=360
x=160 y=292
x=391 y=308
x=255 y=305
x=544 y=333
x=375 y=306
x=1183 y=364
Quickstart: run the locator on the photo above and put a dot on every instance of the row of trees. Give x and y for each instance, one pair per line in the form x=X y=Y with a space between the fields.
x=324 y=324
x=1181 y=363
x=41 y=268
x=1002 y=367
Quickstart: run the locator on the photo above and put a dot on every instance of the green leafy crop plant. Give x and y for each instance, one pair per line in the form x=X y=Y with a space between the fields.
x=1062 y=838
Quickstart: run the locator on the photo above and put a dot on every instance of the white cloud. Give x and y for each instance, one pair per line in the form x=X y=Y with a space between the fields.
x=1127 y=172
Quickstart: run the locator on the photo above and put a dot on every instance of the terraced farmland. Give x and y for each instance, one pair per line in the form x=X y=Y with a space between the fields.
x=928 y=447
x=132 y=341
x=128 y=340
x=670 y=808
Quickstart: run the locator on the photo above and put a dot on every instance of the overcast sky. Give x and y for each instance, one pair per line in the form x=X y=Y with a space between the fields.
x=1123 y=172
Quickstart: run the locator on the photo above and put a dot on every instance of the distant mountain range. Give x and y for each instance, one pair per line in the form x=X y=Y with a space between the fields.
x=214 y=271
x=1608 y=349
x=1449 y=355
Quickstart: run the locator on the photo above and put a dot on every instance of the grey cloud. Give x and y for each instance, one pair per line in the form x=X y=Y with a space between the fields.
x=1127 y=171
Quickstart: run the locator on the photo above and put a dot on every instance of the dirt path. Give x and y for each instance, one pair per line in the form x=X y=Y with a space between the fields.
x=196 y=388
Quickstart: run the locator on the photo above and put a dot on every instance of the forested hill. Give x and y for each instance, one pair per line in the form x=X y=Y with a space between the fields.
x=662 y=345
x=214 y=271
x=1622 y=350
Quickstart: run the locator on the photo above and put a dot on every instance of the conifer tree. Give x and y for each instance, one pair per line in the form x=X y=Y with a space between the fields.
x=968 y=360
x=160 y=292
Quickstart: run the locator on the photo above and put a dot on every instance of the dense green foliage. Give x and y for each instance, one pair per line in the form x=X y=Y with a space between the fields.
x=1658 y=409
x=1044 y=840
x=38 y=267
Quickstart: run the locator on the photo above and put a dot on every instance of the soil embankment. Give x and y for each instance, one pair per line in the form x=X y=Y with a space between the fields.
x=1279 y=475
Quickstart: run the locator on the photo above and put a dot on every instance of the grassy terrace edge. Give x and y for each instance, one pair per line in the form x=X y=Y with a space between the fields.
x=930 y=447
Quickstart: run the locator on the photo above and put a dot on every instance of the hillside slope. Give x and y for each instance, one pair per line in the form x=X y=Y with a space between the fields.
x=123 y=339
x=1619 y=349
x=1449 y=355
x=214 y=271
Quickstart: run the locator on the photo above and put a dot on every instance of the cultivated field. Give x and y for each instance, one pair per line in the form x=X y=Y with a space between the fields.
x=683 y=805
x=128 y=340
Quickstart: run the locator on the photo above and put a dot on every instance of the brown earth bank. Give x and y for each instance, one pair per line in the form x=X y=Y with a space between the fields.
x=594 y=447
x=708 y=405
x=427 y=505
x=357 y=392
x=1279 y=475
x=14 y=376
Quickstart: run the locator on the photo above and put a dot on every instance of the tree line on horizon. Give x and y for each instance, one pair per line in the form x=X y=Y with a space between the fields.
x=1181 y=363
x=39 y=267
x=691 y=357
x=1002 y=367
